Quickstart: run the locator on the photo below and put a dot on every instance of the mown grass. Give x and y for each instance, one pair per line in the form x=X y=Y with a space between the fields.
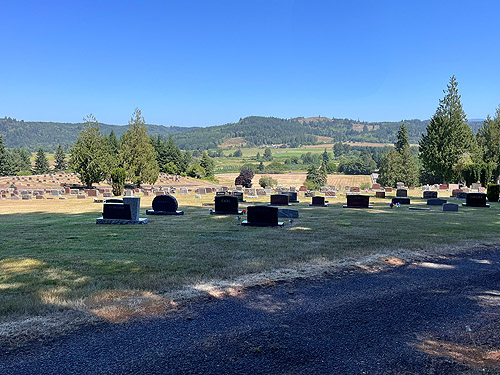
x=53 y=256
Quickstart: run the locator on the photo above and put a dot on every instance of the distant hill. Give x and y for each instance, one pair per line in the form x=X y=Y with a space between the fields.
x=33 y=135
x=249 y=131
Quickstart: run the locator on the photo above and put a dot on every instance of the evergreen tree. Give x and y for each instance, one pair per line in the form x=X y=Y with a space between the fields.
x=113 y=144
x=326 y=157
x=60 y=158
x=268 y=155
x=137 y=154
x=398 y=165
x=4 y=159
x=316 y=177
x=488 y=138
x=41 y=163
x=257 y=157
x=448 y=137
x=90 y=156
x=208 y=165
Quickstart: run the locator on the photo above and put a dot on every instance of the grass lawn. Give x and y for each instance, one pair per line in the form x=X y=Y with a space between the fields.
x=53 y=255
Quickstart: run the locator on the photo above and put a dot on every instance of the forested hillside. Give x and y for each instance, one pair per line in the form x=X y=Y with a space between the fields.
x=254 y=130
x=33 y=135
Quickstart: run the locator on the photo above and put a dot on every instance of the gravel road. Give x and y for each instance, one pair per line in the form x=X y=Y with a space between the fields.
x=435 y=317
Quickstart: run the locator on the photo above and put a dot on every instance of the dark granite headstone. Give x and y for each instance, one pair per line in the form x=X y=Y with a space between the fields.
x=401 y=200
x=403 y=193
x=279 y=200
x=429 y=194
x=475 y=200
x=118 y=211
x=461 y=195
x=450 y=207
x=318 y=202
x=292 y=196
x=436 y=202
x=239 y=195
x=226 y=205
x=164 y=205
x=358 y=201
x=262 y=216
x=288 y=213
x=380 y=194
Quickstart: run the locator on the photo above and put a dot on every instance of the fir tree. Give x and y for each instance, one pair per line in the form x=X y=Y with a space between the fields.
x=208 y=165
x=137 y=154
x=448 y=137
x=113 y=144
x=41 y=163
x=60 y=158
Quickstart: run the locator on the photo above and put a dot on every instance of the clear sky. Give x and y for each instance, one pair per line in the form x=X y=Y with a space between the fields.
x=200 y=63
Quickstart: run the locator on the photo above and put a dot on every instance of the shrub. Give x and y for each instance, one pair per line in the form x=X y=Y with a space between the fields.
x=493 y=192
x=267 y=181
x=118 y=176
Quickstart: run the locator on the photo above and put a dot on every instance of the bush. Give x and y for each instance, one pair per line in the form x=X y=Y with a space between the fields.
x=493 y=192
x=118 y=176
x=267 y=181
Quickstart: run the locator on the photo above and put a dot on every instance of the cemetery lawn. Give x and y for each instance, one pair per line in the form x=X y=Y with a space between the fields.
x=54 y=257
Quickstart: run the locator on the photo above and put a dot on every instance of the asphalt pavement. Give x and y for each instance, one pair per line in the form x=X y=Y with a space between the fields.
x=386 y=322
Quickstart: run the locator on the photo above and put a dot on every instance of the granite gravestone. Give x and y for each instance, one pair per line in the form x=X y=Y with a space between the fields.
x=461 y=195
x=436 y=202
x=262 y=216
x=400 y=200
x=226 y=205
x=292 y=196
x=450 y=207
x=117 y=211
x=358 y=201
x=475 y=200
x=239 y=195
x=380 y=194
x=280 y=200
x=429 y=194
x=402 y=193
x=164 y=205
x=318 y=202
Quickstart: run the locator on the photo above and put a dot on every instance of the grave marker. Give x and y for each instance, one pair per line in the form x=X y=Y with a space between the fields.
x=318 y=202
x=226 y=205
x=262 y=216
x=164 y=205
x=475 y=200
x=358 y=201
x=436 y=202
x=450 y=207
x=429 y=194
x=280 y=200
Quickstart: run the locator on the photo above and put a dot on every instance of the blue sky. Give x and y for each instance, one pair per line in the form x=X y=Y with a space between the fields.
x=200 y=63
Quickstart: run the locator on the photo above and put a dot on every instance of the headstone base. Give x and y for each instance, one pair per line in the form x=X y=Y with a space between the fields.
x=153 y=212
x=246 y=223
x=319 y=205
x=225 y=213
x=465 y=205
x=288 y=213
x=419 y=208
x=346 y=206
x=119 y=221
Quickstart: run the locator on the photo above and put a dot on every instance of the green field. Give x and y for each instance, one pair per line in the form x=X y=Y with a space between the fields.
x=55 y=257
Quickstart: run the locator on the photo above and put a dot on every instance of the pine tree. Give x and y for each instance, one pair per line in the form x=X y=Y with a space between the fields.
x=4 y=159
x=90 y=156
x=448 y=137
x=60 y=158
x=326 y=157
x=268 y=155
x=137 y=154
x=41 y=163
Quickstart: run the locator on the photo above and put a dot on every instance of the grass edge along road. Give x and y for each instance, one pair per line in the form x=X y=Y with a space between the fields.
x=56 y=261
